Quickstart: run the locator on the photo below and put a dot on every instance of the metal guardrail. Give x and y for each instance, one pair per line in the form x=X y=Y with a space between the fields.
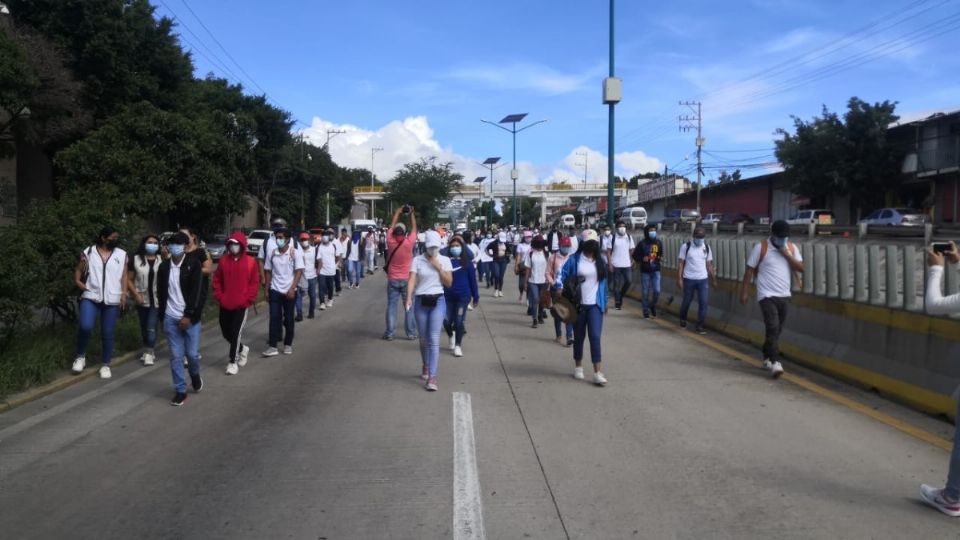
x=924 y=234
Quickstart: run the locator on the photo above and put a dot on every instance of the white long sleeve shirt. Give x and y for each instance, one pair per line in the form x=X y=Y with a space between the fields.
x=936 y=302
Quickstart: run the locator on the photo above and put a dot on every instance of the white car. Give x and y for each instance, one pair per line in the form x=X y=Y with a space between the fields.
x=712 y=218
x=568 y=220
x=819 y=215
x=635 y=217
x=256 y=240
x=901 y=217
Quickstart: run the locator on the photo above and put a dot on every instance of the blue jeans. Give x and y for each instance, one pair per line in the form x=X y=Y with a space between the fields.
x=621 y=277
x=534 y=290
x=148 y=325
x=326 y=284
x=87 y=315
x=396 y=296
x=430 y=322
x=182 y=343
x=589 y=323
x=698 y=286
x=649 y=290
x=499 y=270
x=455 y=322
x=281 y=318
x=355 y=272
x=482 y=272
x=556 y=327
x=311 y=293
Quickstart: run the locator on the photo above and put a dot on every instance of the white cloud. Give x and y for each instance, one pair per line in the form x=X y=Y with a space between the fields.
x=637 y=162
x=793 y=40
x=525 y=76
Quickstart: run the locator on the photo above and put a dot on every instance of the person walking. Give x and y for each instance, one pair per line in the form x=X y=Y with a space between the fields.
x=946 y=499
x=282 y=271
x=486 y=261
x=460 y=293
x=519 y=261
x=400 y=247
x=535 y=278
x=553 y=239
x=370 y=250
x=694 y=274
x=648 y=255
x=499 y=252
x=308 y=281
x=429 y=274
x=554 y=265
x=774 y=262
x=355 y=260
x=102 y=277
x=236 y=284
x=325 y=265
x=586 y=273
x=619 y=256
x=182 y=293
x=142 y=281
x=342 y=245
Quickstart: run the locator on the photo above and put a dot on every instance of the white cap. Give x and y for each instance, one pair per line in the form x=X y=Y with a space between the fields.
x=432 y=239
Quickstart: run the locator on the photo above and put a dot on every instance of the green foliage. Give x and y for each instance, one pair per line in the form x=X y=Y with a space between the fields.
x=528 y=211
x=19 y=290
x=425 y=184
x=851 y=156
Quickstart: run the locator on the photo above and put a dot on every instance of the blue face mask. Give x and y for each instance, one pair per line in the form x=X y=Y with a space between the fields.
x=176 y=250
x=698 y=242
x=281 y=242
x=456 y=251
x=565 y=250
x=151 y=249
x=653 y=235
x=780 y=242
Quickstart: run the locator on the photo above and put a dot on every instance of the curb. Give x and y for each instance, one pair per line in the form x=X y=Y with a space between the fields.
x=66 y=381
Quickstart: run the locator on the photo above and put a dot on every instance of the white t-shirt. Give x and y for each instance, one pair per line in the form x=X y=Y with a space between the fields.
x=536 y=261
x=309 y=262
x=574 y=243
x=587 y=269
x=428 y=279
x=774 y=275
x=621 y=250
x=483 y=250
x=175 y=302
x=476 y=252
x=283 y=266
x=522 y=250
x=695 y=262
x=355 y=248
x=327 y=256
x=271 y=244
x=605 y=242
x=341 y=245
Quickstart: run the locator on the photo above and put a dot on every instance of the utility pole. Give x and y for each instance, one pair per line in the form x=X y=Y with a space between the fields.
x=328 y=209
x=331 y=133
x=586 y=158
x=612 y=93
x=373 y=176
x=687 y=124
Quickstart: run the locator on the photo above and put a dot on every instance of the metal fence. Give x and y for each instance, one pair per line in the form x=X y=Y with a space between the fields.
x=872 y=272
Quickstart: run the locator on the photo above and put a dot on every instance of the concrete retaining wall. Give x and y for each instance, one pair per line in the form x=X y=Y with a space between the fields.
x=891 y=346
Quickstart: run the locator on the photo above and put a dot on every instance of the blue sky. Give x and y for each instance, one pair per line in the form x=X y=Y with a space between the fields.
x=416 y=77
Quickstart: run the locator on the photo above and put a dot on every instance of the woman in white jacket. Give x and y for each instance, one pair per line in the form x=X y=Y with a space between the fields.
x=947 y=499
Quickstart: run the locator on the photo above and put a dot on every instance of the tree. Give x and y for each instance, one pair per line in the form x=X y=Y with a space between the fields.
x=528 y=211
x=726 y=177
x=828 y=156
x=425 y=184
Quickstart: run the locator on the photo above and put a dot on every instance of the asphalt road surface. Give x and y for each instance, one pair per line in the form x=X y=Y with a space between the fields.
x=340 y=440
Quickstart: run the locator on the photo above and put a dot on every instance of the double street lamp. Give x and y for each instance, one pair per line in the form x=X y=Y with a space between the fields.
x=513 y=119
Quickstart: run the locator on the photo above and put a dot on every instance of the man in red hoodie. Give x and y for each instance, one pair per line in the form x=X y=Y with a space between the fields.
x=235 y=286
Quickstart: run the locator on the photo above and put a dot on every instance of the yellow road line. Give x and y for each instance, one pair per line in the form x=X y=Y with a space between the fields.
x=811 y=386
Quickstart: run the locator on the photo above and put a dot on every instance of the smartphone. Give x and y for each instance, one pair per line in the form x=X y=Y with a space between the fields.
x=406 y=209
x=940 y=247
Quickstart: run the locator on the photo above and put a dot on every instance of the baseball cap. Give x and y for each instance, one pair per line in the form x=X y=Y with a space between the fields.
x=565 y=242
x=432 y=239
x=588 y=234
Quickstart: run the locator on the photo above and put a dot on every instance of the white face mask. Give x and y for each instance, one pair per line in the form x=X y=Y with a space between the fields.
x=433 y=251
x=621 y=231
x=235 y=249
x=305 y=244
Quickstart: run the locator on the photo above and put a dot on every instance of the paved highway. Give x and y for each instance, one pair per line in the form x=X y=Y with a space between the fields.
x=341 y=441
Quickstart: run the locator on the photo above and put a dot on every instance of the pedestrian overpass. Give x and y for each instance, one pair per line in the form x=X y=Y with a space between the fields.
x=552 y=195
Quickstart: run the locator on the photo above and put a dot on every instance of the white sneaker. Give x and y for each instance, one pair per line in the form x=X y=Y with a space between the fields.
x=287 y=349
x=244 y=352
x=323 y=306
x=767 y=364
x=578 y=373
x=232 y=368
x=105 y=372
x=272 y=351
x=599 y=379
x=776 y=370
x=329 y=304
x=148 y=359
x=934 y=497
x=469 y=307
x=79 y=363
x=452 y=342
x=457 y=351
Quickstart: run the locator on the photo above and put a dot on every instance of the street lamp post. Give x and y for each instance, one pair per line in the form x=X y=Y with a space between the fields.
x=490 y=162
x=612 y=92
x=373 y=176
x=514 y=174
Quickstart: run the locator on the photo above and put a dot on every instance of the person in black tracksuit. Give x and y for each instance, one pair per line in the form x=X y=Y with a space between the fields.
x=648 y=254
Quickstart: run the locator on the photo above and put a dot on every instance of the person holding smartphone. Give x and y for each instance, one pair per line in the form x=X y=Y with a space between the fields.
x=429 y=274
x=946 y=499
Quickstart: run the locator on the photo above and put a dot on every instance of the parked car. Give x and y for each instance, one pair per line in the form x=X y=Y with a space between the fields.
x=681 y=215
x=635 y=217
x=216 y=245
x=818 y=215
x=568 y=220
x=256 y=239
x=712 y=218
x=901 y=217
x=736 y=218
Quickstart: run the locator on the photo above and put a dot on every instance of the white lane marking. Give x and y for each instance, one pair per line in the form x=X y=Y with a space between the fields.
x=467 y=502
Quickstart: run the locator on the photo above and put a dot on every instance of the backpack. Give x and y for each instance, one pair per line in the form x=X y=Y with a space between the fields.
x=765 y=246
x=706 y=246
